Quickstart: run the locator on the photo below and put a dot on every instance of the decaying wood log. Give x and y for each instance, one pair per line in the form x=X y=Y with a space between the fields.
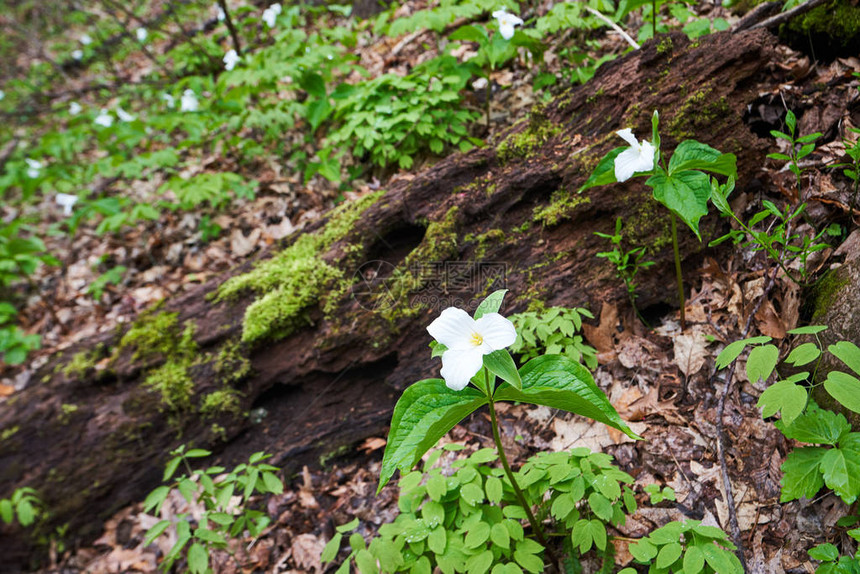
x=505 y=215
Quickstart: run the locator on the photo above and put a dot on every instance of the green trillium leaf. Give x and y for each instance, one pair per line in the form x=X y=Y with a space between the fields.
x=491 y=304
x=604 y=173
x=559 y=382
x=690 y=155
x=685 y=194
x=425 y=412
x=501 y=364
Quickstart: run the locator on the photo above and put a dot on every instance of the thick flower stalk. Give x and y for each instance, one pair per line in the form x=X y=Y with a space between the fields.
x=467 y=341
x=637 y=158
x=507 y=22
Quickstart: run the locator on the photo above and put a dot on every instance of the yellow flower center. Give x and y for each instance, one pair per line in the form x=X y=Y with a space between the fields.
x=477 y=339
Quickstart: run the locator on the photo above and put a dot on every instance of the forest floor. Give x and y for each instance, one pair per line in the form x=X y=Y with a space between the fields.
x=661 y=379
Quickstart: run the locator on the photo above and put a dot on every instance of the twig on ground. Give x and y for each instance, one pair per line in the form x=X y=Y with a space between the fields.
x=614 y=26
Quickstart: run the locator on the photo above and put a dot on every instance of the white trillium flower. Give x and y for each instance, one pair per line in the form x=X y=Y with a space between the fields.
x=189 y=102
x=124 y=115
x=34 y=167
x=507 y=22
x=271 y=14
x=104 y=119
x=468 y=341
x=2 y=94
x=75 y=108
x=77 y=54
x=638 y=158
x=171 y=101
x=141 y=34
x=219 y=12
x=86 y=40
x=231 y=58
x=66 y=201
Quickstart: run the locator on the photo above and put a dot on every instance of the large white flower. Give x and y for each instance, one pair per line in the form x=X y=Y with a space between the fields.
x=189 y=102
x=231 y=58
x=86 y=40
x=141 y=34
x=468 y=341
x=34 y=167
x=75 y=108
x=66 y=201
x=104 y=119
x=638 y=158
x=270 y=15
x=507 y=22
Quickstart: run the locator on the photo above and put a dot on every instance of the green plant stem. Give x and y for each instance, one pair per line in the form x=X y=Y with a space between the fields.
x=678 y=275
x=654 y=34
x=503 y=457
x=487 y=103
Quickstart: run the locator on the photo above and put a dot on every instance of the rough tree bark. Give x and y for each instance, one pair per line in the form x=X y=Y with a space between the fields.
x=335 y=381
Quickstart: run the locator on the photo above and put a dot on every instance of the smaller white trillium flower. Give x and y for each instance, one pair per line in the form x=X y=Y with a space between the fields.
x=86 y=40
x=34 y=167
x=2 y=94
x=507 y=22
x=124 y=115
x=66 y=201
x=141 y=34
x=637 y=158
x=219 y=11
x=231 y=58
x=104 y=119
x=188 y=102
x=270 y=14
x=171 y=101
x=77 y=54
x=468 y=341
x=75 y=108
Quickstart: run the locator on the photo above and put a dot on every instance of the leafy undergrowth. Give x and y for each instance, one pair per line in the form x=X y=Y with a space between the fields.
x=145 y=160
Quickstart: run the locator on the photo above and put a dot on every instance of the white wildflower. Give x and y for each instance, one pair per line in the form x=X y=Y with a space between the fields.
x=507 y=22
x=637 y=158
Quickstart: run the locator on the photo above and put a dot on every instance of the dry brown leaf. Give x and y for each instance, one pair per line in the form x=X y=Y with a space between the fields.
x=241 y=245
x=372 y=444
x=769 y=323
x=306 y=552
x=602 y=336
x=690 y=353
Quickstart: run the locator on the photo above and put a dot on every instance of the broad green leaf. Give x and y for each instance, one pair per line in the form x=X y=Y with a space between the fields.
x=581 y=535
x=694 y=559
x=437 y=540
x=171 y=468
x=824 y=552
x=470 y=34
x=494 y=489
x=477 y=535
x=558 y=382
x=761 y=362
x=426 y=411
x=720 y=195
x=604 y=173
x=491 y=304
x=500 y=536
x=198 y=558
x=479 y=563
x=685 y=194
x=841 y=468
x=366 y=562
x=156 y=531
x=501 y=364
x=6 y=511
x=722 y=561
x=801 y=476
x=817 y=426
x=691 y=154
x=803 y=354
x=668 y=555
x=643 y=551
x=351 y=525
x=197 y=453
x=313 y=83
x=783 y=396
x=531 y=562
x=155 y=499
x=808 y=330
x=600 y=505
x=433 y=513
x=598 y=533
x=844 y=388
x=733 y=350
x=273 y=483
x=848 y=353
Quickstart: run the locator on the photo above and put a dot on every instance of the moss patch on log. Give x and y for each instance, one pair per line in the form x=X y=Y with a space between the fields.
x=295 y=279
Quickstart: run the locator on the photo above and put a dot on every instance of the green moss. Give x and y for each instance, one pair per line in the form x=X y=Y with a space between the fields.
x=562 y=204
x=172 y=382
x=67 y=410
x=695 y=115
x=832 y=26
x=294 y=279
x=232 y=365
x=83 y=361
x=153 y=334
x=665 y=46
x=525 y=142
x=8 y=433
x=648 y=225
x=484 y=240
x=223 y=401
x=825 y=290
